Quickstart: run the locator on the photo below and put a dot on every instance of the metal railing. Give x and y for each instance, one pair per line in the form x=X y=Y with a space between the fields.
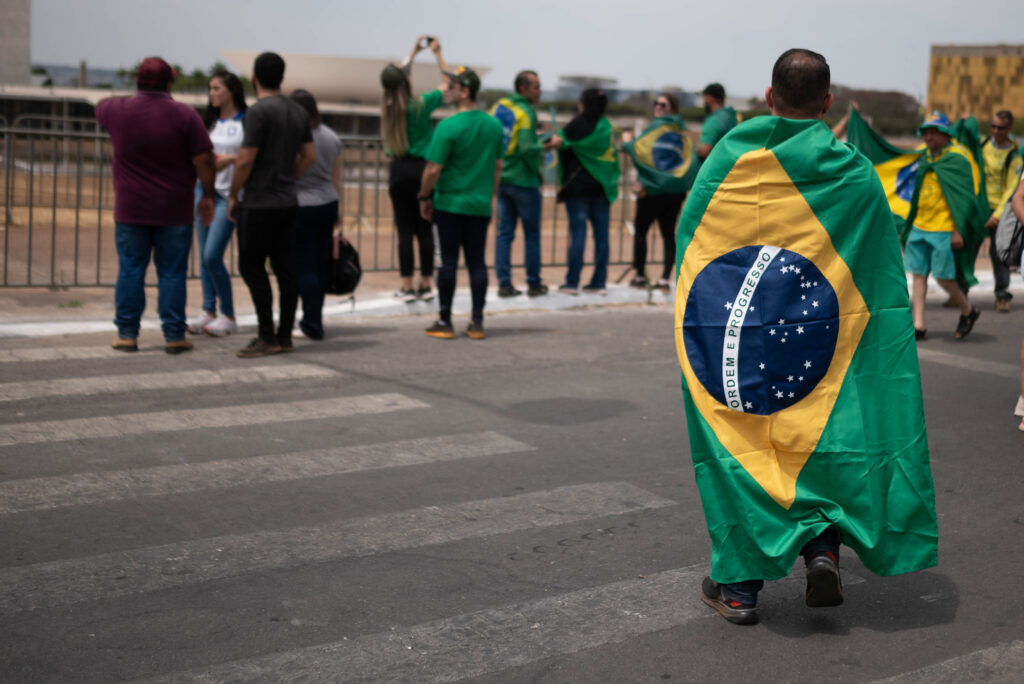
x=59 y=226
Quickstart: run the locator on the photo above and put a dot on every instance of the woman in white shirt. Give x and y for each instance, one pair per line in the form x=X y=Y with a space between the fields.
x=223 y=119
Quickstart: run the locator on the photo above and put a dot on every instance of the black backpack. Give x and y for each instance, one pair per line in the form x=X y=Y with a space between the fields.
x=345 y=270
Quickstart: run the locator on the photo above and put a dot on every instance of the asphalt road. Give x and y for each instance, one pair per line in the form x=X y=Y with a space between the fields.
x=382 y=506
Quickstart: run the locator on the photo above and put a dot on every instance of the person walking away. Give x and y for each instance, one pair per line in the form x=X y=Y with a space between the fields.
x=666 y=166
x=1002 y=161
x=224 y=114
x=458 y=187
x=589 y=166
x=720 y=119
x=276 y=149
x=1018 y=209
x=519 y=191
x=160 y=147
x=800 y=381
x=935 y=233
x=318 y=190
x=407 y=127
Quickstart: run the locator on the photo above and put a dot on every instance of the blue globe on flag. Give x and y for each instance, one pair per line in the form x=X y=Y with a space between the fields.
x=760 y=328
x=667 y=151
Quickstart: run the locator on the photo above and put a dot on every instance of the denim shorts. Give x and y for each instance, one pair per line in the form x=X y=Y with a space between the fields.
x=930 y=252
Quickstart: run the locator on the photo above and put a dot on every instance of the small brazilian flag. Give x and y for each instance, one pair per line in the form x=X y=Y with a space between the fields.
x=663 y=154
x=598 y=154
x=799 y=367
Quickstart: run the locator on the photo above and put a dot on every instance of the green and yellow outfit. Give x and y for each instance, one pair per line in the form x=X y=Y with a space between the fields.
x=1002 y=173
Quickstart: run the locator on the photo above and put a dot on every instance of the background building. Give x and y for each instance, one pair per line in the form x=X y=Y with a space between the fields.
x=15 y=45
x=976 y=79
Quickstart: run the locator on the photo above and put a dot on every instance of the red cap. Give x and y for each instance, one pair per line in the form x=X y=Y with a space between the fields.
x=155 y=72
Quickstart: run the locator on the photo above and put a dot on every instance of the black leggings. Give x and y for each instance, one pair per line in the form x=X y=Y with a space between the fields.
x=664 y=208
x=264 y=233
x=404 y=187
x=469 y=233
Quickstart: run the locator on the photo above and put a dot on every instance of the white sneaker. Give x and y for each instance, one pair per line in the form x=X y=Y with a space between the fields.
x=1019 y=411
x=221 y=326
x=196 y=325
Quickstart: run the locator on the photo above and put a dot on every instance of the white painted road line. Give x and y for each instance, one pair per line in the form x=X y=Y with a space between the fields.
x=1000 y=664
x=1003 y=370
x=182 y=379
x=194 y=419
x=57 y=354
x=122 y=573
x=17 y=496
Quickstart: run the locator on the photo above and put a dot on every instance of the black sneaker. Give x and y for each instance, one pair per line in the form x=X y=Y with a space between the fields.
x=733 y=611
x=966 y=323
x=537 y=290
x=406 y=295
x=424 y=293
x=441 y=330
x=475 y=331
x=258 y=347
x=920 y=334
x=824 y=587
x=508 y=291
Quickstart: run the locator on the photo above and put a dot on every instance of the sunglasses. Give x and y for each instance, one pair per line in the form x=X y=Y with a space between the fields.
x=1000 y=127
x=659 y=103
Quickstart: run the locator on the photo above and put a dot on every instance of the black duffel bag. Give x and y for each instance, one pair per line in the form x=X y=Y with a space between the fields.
x=345 y=270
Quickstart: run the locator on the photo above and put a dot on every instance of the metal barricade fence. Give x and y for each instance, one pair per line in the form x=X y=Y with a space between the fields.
x=59 y=226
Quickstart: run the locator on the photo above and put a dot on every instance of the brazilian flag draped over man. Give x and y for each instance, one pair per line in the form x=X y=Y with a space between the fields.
x=958 y=172
x=799 y=367
x=663 y=154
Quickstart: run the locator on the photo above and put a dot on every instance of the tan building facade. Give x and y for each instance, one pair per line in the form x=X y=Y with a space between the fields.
x=976 y=80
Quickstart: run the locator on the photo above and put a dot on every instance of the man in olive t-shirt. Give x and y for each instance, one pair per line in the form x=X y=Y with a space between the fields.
x=459 y=182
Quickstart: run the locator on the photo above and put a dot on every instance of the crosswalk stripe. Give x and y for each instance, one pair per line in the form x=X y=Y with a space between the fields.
x=487 y=641
x=17 y=496
x=57 y=354
x=967 y=363
x=1002 y=663
x=182 y=379
x=156 y=568
x=192 y=419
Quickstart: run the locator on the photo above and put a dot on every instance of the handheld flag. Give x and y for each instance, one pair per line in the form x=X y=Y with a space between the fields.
x=664 y=156
x=799 y=367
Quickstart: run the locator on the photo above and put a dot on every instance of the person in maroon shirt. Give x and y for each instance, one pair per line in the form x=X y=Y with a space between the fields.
x=160 y=147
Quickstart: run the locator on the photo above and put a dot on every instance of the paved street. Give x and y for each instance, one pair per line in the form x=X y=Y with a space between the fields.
x=381 y=506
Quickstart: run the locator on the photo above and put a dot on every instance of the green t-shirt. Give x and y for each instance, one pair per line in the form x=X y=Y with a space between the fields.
x=524 y=152
x=716 y=125
x=467 y=145
x=418 y=124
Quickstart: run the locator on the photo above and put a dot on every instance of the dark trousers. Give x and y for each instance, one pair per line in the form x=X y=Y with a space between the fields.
x=1000 y=272
x=746 y=591
x=664 y=209
x=469 y=233
x=404 y=187
x=263 y=234
x=314 y=227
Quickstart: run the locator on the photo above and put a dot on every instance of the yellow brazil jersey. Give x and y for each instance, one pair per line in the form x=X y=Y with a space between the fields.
x=1000 y=175
x=933 y=213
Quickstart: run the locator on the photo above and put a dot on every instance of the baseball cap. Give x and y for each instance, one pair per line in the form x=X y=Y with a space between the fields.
x=155 y=72
x=467 y=78
x=938 y=121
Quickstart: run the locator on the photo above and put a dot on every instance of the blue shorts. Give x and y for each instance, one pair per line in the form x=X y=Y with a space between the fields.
x=930 y=252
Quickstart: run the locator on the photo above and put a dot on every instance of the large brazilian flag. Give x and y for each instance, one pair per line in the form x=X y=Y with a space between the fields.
x=598 y=154
x=799 y=367
x=664 y=156
x=958 y=171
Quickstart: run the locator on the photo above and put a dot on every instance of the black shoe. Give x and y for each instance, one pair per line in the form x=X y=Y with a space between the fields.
x=311 y=332
x=475 y=331
x=824 y=587
x=966 y=323
x=424 y=293
x=406 y=295
x=920 y=335
x=537 y=291
x=441 y=330
x=508 y=291
x=258 y=347
x=733 y=611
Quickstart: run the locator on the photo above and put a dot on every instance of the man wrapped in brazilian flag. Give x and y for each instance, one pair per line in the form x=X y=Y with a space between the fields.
x=799 y=368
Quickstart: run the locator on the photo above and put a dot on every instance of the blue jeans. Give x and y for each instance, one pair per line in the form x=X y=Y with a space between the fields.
x=213 y=242
x=515 y=202
x=169 y=246
x=746 y=591
x=580 y=210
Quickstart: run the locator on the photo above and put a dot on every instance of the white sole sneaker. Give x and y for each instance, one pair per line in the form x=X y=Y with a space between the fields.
x=221 y=327
x=197 y=325
x=1019 y=411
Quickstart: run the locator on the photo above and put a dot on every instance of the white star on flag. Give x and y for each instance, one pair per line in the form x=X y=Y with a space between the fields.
x=789 y=379
x=771 y=331
x=807 y=364
x=799 y=330
x=728 y=305
x=778 y=395
x=791 y=395
x=749 y=405
x=761 y=365
x=814 y=304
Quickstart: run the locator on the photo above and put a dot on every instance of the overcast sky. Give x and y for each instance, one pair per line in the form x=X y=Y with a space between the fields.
x=881 y=44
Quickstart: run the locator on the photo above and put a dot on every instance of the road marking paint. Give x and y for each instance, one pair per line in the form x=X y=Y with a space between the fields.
x=155 y=568
x=967 y=363
x=181 y=379
x=43 y=493
x=1002 y=663
x=194 y=419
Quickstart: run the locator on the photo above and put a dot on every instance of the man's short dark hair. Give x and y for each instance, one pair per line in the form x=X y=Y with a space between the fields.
x=715 y=90
x=800 y=82
x=523 y=79
x=269 y=70
x=1006 y=115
